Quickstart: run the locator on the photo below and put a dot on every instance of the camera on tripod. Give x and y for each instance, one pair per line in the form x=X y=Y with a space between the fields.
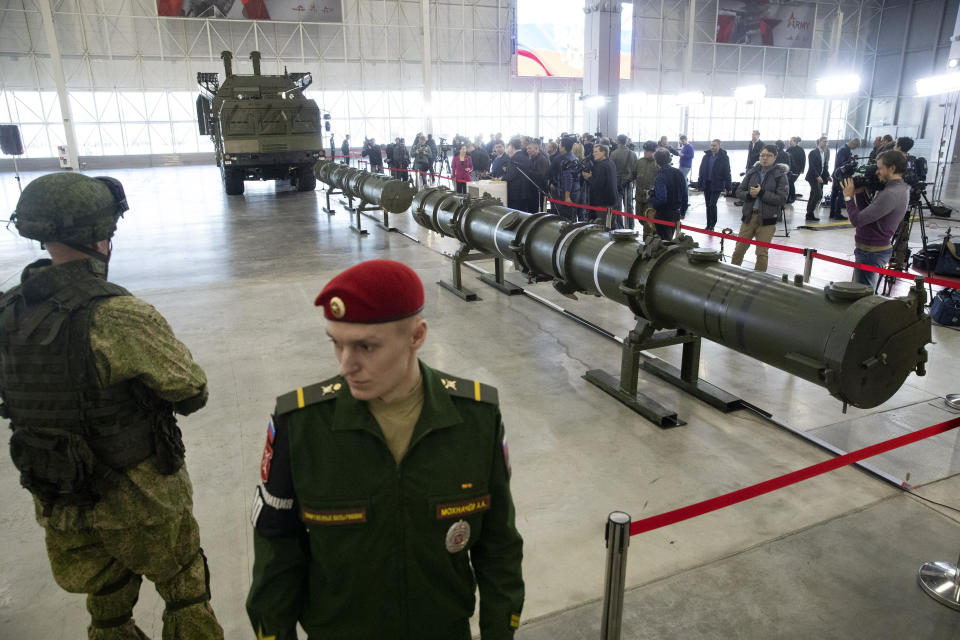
x=444 y=147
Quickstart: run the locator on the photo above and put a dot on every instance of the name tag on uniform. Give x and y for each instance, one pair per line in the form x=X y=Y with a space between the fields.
x=464 y=508
x=334 y=516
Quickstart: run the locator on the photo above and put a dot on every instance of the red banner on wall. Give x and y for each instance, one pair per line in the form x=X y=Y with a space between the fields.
x=287 y=10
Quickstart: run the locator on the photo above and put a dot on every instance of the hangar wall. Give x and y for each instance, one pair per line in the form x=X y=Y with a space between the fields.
x=131 y=75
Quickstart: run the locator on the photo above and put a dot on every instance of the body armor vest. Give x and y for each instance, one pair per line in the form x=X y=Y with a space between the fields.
x=69 y=435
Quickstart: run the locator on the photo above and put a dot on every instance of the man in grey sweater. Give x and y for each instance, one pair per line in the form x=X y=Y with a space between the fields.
x=877 y=222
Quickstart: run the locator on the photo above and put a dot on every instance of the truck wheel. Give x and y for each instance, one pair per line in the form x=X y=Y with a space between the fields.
x=232 y=182
x=306 y=181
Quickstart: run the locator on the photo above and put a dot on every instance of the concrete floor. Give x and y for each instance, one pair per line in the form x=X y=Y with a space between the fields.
x=833 y=557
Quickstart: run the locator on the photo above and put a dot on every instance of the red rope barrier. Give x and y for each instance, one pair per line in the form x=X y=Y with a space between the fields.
x=740 y=495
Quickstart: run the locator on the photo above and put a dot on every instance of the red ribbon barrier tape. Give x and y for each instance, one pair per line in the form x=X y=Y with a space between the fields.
x=740 y=495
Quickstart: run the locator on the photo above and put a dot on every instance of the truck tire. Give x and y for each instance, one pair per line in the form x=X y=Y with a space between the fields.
x=232 y=181
x=306 y=181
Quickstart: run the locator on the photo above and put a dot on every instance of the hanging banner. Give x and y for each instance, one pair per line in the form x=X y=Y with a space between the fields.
x=766 y=23
x=285 y=10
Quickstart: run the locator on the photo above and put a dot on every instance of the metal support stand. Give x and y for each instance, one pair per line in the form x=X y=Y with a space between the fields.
x=16 y=173
x=624 y=389
x=355 y=220
x=786 y=229
x=456 y=287
x=941 y=581
x=329 y=208
x=385 y=224
x=500 y=283
x=617 y=537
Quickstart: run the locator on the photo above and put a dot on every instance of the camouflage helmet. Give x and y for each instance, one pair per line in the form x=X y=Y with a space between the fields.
x=71 y=208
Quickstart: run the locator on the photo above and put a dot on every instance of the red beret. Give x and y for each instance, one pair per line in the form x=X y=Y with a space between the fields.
x=371 y=292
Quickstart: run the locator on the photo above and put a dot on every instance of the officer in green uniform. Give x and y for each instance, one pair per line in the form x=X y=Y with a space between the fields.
x=90 y=378
x=645 y=174
x=384 y=500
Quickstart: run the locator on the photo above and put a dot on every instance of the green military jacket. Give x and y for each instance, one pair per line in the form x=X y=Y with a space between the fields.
x=356 y=547
x=645 y=171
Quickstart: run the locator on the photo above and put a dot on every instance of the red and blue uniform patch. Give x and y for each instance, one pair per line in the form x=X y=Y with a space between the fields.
x=267 y=456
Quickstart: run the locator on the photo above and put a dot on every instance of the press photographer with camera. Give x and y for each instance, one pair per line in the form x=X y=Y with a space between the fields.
x=877 y=222
x=372 y=151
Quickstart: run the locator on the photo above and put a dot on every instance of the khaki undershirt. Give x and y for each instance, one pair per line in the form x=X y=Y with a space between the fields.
x=397 y=419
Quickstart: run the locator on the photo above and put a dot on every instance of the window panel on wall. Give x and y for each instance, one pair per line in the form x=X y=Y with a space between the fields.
x=161 y=140
x=183 y=106
x=35 y=142
x=184 y=137
x=156 y=106
x=51 y=106
x=111 y=138
x=88 y=139
x=107 y=108
x=132 y=108
x=56 y=137
x=136 y=138
x=83 y=105
x=27 y=106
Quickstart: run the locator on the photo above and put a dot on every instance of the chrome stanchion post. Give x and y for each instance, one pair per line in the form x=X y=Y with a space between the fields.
x=808 y=263
x=941 y=581
x=618 y=539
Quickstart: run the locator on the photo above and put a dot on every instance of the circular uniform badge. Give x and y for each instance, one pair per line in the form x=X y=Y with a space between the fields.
x=457 y=536
x=337 y=308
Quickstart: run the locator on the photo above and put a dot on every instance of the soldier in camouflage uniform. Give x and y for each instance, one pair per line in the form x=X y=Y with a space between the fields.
x=384 y=501
x=645 y=174
x=90 y=378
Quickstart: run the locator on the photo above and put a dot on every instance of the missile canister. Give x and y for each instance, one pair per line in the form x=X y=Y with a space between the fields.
x=393 y=196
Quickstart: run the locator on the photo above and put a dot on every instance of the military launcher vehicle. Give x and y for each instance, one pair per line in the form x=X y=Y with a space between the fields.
x=262 y=126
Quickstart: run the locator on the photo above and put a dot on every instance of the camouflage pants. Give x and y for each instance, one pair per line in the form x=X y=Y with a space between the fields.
x=107 y=565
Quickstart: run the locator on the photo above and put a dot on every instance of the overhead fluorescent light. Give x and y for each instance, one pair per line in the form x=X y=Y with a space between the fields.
x=595 y=102
x=935 y=85
x=840 y=85
x=689 y=97
x=750 y=92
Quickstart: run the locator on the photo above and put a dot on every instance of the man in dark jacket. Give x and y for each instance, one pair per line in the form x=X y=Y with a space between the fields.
x=669 y=195
x=624 y=160
x=818 y=174
x=374 y=153
x=401 y=160
x=345 y=150
x=539 y=170
x=764 y=191
x=798 y=162
x=481 y=160
x=568 y=180
x=753 y=151
x=844 y=154
x=516 y=174
x=602 y=184
x=714 y=179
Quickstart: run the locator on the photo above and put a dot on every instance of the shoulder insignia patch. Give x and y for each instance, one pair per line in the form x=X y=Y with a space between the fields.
x=471 y=389
x=300 y=398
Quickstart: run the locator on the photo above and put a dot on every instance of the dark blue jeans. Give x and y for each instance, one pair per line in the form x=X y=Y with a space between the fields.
x=874 y=259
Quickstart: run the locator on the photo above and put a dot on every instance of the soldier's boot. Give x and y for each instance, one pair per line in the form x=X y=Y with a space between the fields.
x=111 y=610
x=188 y=614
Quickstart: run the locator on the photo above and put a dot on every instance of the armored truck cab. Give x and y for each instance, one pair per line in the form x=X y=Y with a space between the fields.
x=262 y=127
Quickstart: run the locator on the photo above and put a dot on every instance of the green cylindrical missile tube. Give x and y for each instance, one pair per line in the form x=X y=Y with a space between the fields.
x=859 y=346
x=391 y=195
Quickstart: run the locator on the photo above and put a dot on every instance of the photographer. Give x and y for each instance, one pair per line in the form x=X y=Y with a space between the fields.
x=372 y=151
x=916 y=173
x=764 y=191
x=877 y=222
x=422 y=159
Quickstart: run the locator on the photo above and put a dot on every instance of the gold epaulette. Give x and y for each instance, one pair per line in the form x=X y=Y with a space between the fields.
x=471 y=389
x=299 y=398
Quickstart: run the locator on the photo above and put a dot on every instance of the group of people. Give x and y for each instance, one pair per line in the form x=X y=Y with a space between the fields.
x=383 y=500
x=600 y=172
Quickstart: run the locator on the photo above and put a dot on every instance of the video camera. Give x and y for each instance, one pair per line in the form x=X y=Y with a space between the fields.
x=864 y=176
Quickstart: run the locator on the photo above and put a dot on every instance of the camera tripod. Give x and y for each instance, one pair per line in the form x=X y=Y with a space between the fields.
x=900 y=258
x=442 y=162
